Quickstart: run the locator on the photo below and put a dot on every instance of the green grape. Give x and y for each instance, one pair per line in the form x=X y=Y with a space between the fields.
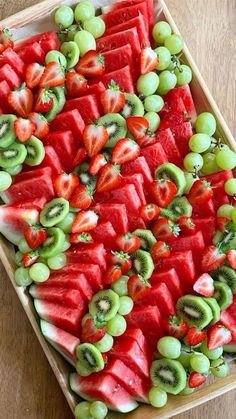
x=22 y=277
x=23 y=246
x=209 y=164
x=185 y=356
x=226 y=159
x=84 y=11
x=230 y=186
x=126 y=305
x=96 y=26
x=57 y=262
x=39 y=272
x=161 y=31
x=169 y=347
x=64 y=17
x=71 y=52
x=120 y=286
x=153 y=121
x=219 y=368
x=105 y=344
x=14 y=170
x=225 y=210
x=71 y=32
x=18 y=258
x=148 y=83
x=200 y=363
x=174 y=43
x=5 y=181
x=98 y=410
x=116 y=326
x=82 y=411
x=193 y=162
x=220 y=147
x=85 y=41
x=153 y=103
x=187 y=390
x=67 y=222
x=183 y=74
x=56 y=57
x=233 y=215
x=190 y=179
x=205 y=123
x=211 y=353
x=164 y=58
x=199 y=143
x=157 y=397
x=167 y=81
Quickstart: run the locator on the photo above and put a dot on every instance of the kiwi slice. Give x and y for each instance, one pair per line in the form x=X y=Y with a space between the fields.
x=223 y=294
x=53 y=243
x=172 y=172
x=54 y=212
x=194 y=310
x=133 y=106
x=7 y=133
x=115 y=125
x=59 y=100
x=227 y=240
x=165 y=212
x=13 y=155
x=143 y=264
x=180 y=207
x=35 y=151
x=104 y=305
x=227 y=275
x=215 y=308
x=52 y=113
x=146 y=237
x=90 y=357
x=169 y=375
x=84 y=176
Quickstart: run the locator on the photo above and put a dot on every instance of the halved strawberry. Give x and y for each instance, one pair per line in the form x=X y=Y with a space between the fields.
x=82 y=197
x=187 y=225
x=35 y=236
x=221 y=222
x=108 y=177
x=165 y=230
x=174 y=326
x=137 y=287
x=41 y=124
x=5 y=40
x=112 y=274
x=200 y=192
x=163 y=191
x=53 y=75
x=76 y=84
x=65 y=184
x=80 y=156
x=195 y=336
x=137 y=126
x=149 y=212
x=96 y=163
x=84 y=221
x=24 y=128
x=159 y=250
x=231 y=258
x=95 y=138
x=218 y=335
x=21 y=100
x=91 y=64
x=121 y=259
x=44 y=100
x=128 y=242
x=112 y=99
x=148 y=139
x=92 y=330
x=212 y=258
x=33 y=74
x=80 y=238
x=125 y=150
x=204 y=285
x=196 y=379
x=29 y=258
x=148 y=60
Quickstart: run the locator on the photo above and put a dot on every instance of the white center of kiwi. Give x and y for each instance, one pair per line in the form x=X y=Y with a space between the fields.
x=166 y=375
x=30 y=150
x=3 y=128
x=90 y=359
x=137 y=265
x=53 y=211
x=104 y=305
x=84 y=178
x=191 y=312
x=111 y=129
x=10 y=153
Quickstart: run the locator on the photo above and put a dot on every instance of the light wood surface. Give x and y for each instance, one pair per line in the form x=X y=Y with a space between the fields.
x=28 y=387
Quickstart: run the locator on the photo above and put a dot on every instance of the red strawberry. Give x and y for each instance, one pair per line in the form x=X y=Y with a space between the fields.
x=24 y=128
x=218 y=336
x=35 y=236
x=221 y=222
x=121 y=259
x=112 y=274
x=196 y=379
x=76 y=84
x=148 y=139
x=108 y=177
x=96 y=163
x=65 y=184
x=125 y=150
x=53 y=75
x=82 y=197
x=92 y=330
x=137 y=126
x=21 y=100
x=112 y=99
x=163 y=191
x=160 y=250
x=84 y=221
x=231 y=258
x=149 y=212
x=44 y=100
x=200 y=192
x=95 y=138
x=165 y=230
x=148 y=60
x=5 y=40
x=33 y=74
x=137 y=287
x=41 y=124
x=80 y=238
x=80 y=156
x=128 y=242
x=204 y=285
x=91 y=64
x=195 y=336
x=212 y=258
x=175 y=326
x=29 y=258
x=187 y=225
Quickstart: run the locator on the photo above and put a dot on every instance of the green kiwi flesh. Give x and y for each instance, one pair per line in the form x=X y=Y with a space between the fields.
x=35 y=151
x=143 y=264
x=227 y=275
x=90 y=357
x=174 y=173
x=53 y=243
x=13 y=155
x=169 y=375
x=223 y=294
x=115 y=125
x=180 y=207
x=104 y=305
x=215 y=308
x=7 y=133
x=146 y=237
x=194 y=310
x=83 y=174
x=132 y=107
x=54 y=212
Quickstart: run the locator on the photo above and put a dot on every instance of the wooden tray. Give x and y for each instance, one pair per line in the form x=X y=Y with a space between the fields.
x=36 y=19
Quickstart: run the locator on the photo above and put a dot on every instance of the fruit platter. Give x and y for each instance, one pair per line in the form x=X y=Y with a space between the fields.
x=117 y=207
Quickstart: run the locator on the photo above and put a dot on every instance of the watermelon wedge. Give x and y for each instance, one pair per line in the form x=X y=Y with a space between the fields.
x=114 y=213
x=138 y=23
x=138 y=165
x=185 y=94
x=10 y=76
x=104 y=233
x=170 y=279
x=122 y=77
x=71 y=281
x=167 y=141
x=60 y=295
x=203 y=210
x=88 y=107
x=160 y=296
x=219 y=177
x=65 y=146
x=124 y=195
x=155 y=156
x=48 y=41
x=207 y=227
x=88 y=253
x=70 y=120
x=118 y=58
x=116 y=40
x=32 y=53
x=137 y=334
x=9 y=56
x=13 y=221
x=52 y=160
x=138 y=182
x=4 y=91
x=120 y=15
x=91 y=271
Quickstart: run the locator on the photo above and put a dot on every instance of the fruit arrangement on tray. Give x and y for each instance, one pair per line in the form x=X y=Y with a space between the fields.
x=119 y=200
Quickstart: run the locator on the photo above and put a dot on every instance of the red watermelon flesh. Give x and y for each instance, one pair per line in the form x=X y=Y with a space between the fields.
x=65 y=318
x=137 y=334
x=185 y=94
x=160 y=296
x=219 y=196
x=10 y=76
x=203 y=210
x=87 y=106
x=91 y=271
x=32 y=53
x=138 y=165
x=118 y=58
x=14 y=220
x=95 y=89
x=88 y=253
x=122 y=77
x=137 y=181
x=104 y=233
x=52 y=160
x=9 y=56
x=62 y=341
x=167 y=141
x=37 y=203
x=154 y=155
x=4 y=91
x=116 y=40
x=218 y=178
x=195 y=243
x=73 y=281
x=65 y=146
x=135 y=221
x=182 y=134
x=228 y=318
x=116 y=214
x=70 y=120
x=207 y=227
x=124 y=195
x=47 y=40
x=138 y=23
x=126 y=13
x=108 y=391
x=60 y=295
x=171 y=279
x=32 y=174
x=127 y=3
x=175 y=106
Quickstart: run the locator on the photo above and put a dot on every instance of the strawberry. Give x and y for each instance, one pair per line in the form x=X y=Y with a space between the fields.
x=5 y=40
x=196 y=379
x=91 y=64
x=137 y=287
x=231 y=258
x=112 y=99
x=186 y=225
x=160 y=250
x=35 y=236
x=108 y=177
x=125 y=150
x=80 y=238
x=165 y=230
x=174 y=326
x=149 y=212
x=92 y=330
x=195 y=336
x=163 y=191
x=137 y=126
x=95 y=138
x=33 y=74
x=76 y=84
x=121 y=259
x=29 y=258
x=53 y=75
x=21 y=100
x=65 y=184
x=200 y=192
x=82 y=197
x=41 y=124
x=204 y=285
x=148 y=60
x=112 y=274
x=128 y=242
x=84 y=221
x=44 y=100
x=218 y=335
x=221 y=222
x=81 y=155
x=148 y=139
x=96 y=163
x=212 y=258
x=24 y=128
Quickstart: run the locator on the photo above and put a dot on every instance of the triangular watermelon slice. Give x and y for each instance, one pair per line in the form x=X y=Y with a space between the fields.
x=171 y=279
x=138 y=23
x=128 y=3
x=61 y=295
x=114 y=213
x=122 y=77
x=71 y=280
x=88 y=107
x=70 y=120
x=120 y=15
x=14 y=220
x=116 y=40
x=88 y=253
x=65 y=146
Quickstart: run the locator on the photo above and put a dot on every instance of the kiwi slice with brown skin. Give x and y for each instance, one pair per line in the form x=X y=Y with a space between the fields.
x=226 y=275
x=143 y=264
x=13 y=155
x=54 y=212
x=169 y=375
x=90 y=357
x=115 y=125
x=194 y=310
x=35 y=151
x=53 y=243
x=104 y=305
x=7 y=133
